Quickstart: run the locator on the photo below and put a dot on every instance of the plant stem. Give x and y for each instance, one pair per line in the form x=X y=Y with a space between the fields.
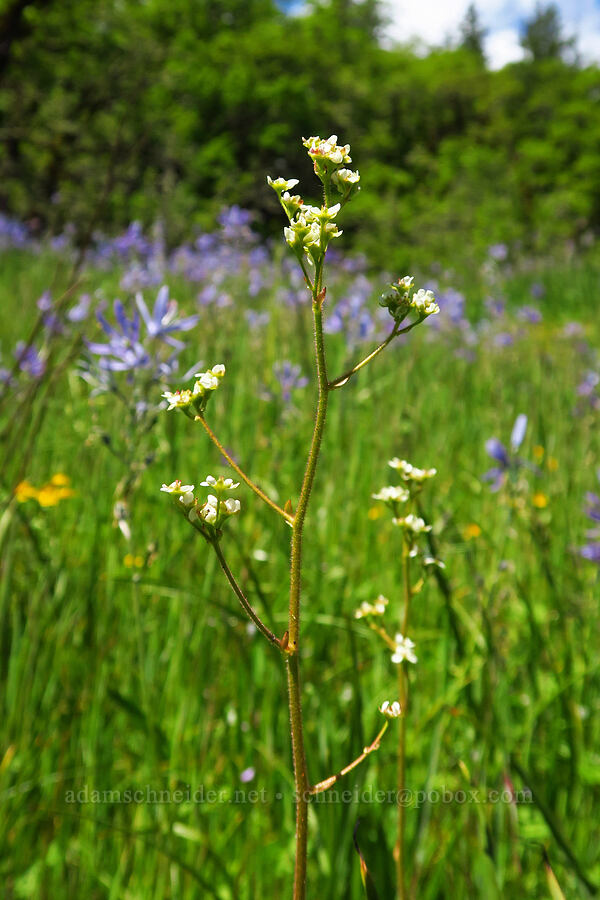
x=329 y=782
x=254 y=487
x=242 y=597
x=301 y=781
x=403 y=692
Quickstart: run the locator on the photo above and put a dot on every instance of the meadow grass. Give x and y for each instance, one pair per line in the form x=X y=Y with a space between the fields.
x=120 y=673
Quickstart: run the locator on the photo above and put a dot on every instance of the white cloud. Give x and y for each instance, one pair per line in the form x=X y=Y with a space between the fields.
x=434 y=21
x=503 y=47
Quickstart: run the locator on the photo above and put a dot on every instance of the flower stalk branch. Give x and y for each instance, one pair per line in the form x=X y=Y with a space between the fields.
x=342 y=379
x=253 y=487
x=329 y=782
x=247 y=606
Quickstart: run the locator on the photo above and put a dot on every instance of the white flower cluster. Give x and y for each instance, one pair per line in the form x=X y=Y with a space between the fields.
x=329 y=151
x=210 y=515
x=404 y=650
x=195 y=400
x=424 y=303
x=392 y=494
x=414 y=524
x=391 y=710
x=214 y=511
x=409 y=472
x=372 y=609
x=398 y=303
x=311 y=230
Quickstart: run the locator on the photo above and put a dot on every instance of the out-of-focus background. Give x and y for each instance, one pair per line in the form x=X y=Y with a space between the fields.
x=144 y=745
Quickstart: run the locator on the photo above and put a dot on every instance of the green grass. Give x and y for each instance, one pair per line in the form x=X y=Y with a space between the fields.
x=117 y=678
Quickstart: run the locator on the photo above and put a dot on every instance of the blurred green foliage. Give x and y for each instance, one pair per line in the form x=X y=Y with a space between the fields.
x=112 y=111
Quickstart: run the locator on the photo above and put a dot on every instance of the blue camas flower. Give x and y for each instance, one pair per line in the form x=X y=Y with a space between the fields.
x=128 y=348
x=505 y=457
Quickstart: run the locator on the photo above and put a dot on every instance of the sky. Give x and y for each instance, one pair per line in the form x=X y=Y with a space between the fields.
x=432 y=21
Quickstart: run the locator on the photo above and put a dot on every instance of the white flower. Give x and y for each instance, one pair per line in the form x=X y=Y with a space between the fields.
x=280 y=184
x=231 y=506
x=210 y=509
x=320 y=213
x=206 y=382
x=409 y=472
x=292 y=203
x=220 y=483
x=434 y=563
x=395 y=493
x=412 y=523
x=209 y=380
x=187 y=499
x=406 y=283
x=391 y=710
x=346 y=177
x=372 y=609
x=176 y=487
x=424 y=303
x=404 y=650
x=178 y=399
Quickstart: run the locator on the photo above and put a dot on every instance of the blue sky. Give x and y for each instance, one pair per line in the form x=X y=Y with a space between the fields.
x=432 y=21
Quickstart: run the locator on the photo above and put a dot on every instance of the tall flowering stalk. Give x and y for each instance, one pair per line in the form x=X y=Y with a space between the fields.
x=402 y=501
x=309 y=231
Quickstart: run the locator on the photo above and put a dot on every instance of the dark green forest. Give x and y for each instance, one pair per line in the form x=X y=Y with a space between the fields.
x=116 y=110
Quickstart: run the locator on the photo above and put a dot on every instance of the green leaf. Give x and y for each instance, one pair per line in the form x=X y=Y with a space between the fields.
x=367 y=880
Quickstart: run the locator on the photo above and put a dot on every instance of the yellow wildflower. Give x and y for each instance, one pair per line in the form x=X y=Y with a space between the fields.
x=471 y=531
x=552 y=464
x=539 y=500
x=538 y=453
x=60 y=480
x=25 y=491
x=50 y=494
x=133 y=562
x=375 y=512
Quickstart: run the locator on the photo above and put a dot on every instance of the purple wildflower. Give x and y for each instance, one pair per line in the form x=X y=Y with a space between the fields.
x=127 y=349
x=573 y=329
x=503 y=339
x=289 y=378
x=162 y=322
x=257 y=320
x=505 y=457
x=499 y=252
x=247 y=775
x=529 y=314
x=80 y=311
x=591 y=551
x=29 y=359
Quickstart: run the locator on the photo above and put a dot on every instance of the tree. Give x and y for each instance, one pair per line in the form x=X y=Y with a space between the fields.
x=472 y=33
x=541 y=35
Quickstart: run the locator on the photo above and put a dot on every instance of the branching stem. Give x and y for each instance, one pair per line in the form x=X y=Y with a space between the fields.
x=301 y=780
